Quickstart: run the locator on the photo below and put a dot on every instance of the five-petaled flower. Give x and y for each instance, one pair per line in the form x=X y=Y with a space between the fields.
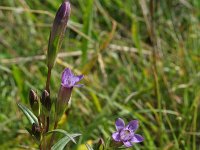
x=68 y=81
x=126 y=134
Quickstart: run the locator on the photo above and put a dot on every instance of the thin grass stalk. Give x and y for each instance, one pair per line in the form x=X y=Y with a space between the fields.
x=195 y=117
x=155 y=69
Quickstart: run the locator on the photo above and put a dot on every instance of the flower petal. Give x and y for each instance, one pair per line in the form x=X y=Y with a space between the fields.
x=66 y=74
x=137 y=138
x=69 y=79
x=78 y=85
x=119 y=124
x=133 y=125
x=116 y=136
x=77 y=78
x=127 y=143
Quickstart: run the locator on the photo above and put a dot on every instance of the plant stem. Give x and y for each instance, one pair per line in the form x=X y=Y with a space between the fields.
x=48 y=80
x=53 y=135
x=55 y=125
x=47 y=125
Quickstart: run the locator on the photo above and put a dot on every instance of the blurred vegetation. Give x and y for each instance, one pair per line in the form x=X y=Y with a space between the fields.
x=140 y=57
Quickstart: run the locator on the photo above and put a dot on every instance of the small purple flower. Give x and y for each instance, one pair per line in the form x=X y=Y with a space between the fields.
x=68 y=81
x=126 y=134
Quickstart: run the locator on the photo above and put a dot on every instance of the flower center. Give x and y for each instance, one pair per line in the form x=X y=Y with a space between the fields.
x=68 y=81
x=125 y=135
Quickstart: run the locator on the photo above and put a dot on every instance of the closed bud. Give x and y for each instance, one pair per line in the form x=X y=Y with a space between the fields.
x=45 y=100
x=57 y=32
x=33 y=100
x=100 y=145
x=101 y=142
x=36 y=131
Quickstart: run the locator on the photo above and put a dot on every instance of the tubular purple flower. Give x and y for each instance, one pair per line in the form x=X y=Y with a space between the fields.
x=57 y=32
x=68 y=81
x=126 y=134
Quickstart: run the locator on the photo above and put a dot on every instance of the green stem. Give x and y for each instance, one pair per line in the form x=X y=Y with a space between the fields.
x=53 y=135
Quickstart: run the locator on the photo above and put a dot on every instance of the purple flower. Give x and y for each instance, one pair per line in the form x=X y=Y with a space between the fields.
x=68 y=81
x=126 y=134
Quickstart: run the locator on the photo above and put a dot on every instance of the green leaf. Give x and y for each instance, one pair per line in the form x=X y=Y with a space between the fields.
x=88 y=147
x=29 y=115
x=65 y=133
x=60 y=145
x=37 y=139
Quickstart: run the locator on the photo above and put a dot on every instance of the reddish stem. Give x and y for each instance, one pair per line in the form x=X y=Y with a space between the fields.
x=48 y=80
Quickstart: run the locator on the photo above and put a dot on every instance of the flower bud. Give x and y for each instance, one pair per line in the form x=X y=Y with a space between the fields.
x=36 y=131
x=57 y=32
x=100 y=145
x=45 y=100
x=33 y=100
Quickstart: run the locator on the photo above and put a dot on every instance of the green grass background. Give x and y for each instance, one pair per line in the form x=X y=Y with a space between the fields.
x=147 y=67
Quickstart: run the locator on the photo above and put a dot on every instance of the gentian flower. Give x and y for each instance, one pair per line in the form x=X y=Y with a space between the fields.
x=68 y=81
x=57 y=32
x=126 y=134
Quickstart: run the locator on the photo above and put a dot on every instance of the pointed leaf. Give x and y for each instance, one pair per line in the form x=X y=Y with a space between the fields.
x=29 y=115
x=30 y=132
x=60 y=145
x=65 y=133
